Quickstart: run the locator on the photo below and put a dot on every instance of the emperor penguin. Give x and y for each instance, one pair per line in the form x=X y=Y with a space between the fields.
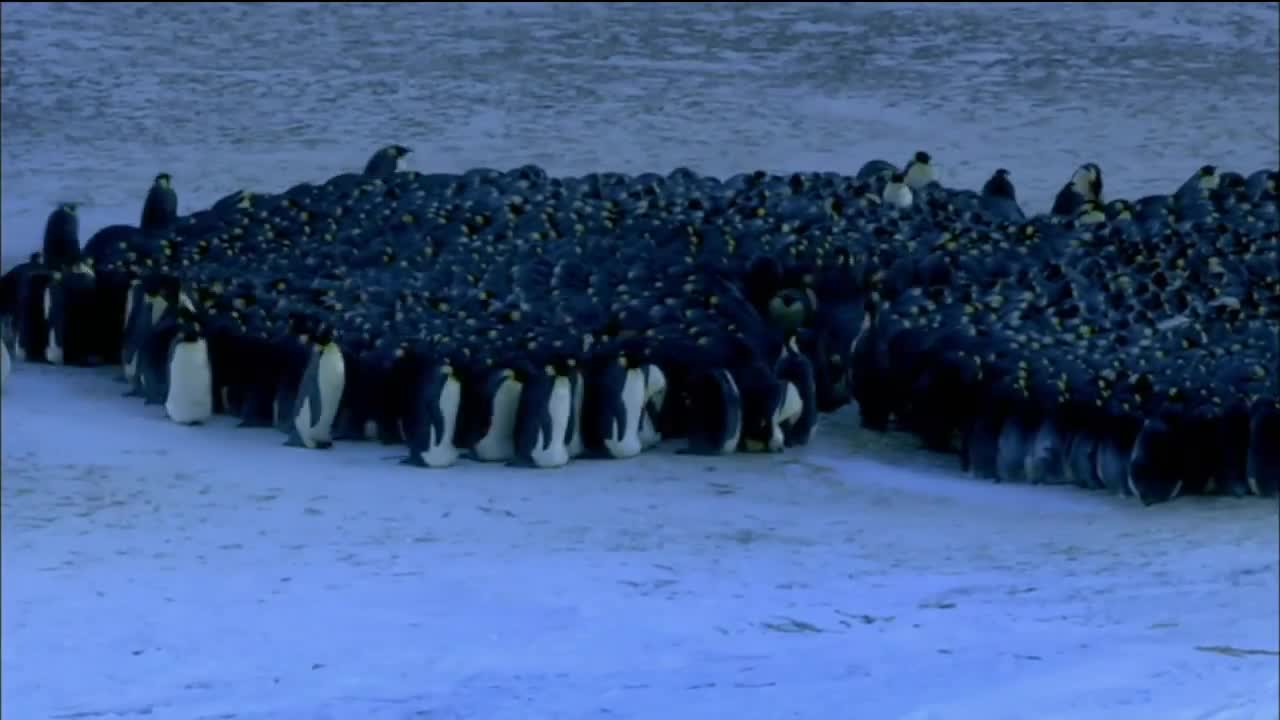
x=1085 y=185
x=655 y=395
x=319 y=393
x=62 y=237
x=189 y=400
x=493 y=402
x=431 y=421
x=161 y=207
x=6 y=341
x=919 y=172
x=897 y=193
x=542 y=420
x=387 y=161
x=627 y=393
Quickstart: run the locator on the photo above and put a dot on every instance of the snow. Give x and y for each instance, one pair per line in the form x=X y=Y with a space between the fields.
x=157 y=570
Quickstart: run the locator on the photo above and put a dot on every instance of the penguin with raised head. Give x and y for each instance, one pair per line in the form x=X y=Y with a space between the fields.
x=189 y=396
x=387 y=161
x=919 y=172
x=897 y=193
x=1198 y=186
x=319 y=392
x=1085 y=185
x=61 y=249
x=160 y=210
x=1000 y=199
x=431 y=418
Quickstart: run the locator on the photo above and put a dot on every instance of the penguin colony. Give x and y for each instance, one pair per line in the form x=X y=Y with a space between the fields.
x=514 y=317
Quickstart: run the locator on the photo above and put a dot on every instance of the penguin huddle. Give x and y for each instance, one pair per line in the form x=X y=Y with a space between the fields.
x=514 y=317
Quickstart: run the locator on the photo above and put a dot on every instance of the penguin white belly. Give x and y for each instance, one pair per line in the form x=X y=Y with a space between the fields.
x=627 y=441
x=576 y=447
x=655 y=395
x=555 y=453
x=53 y=351
x=649 y=435
x=190 y=398
x=499 y=443
x=786 y=414
x=897 y=195
x=330 y=379
x=441 y=451
x=5 y=364
x=920 y=174
x=128 y=308
x=731 y=441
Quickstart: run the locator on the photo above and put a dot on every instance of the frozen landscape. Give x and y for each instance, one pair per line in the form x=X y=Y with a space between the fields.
x=152 y=570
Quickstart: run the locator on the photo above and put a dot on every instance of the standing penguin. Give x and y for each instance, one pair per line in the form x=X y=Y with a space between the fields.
x=897 y=194
x=1263 y=463
x=6 y=342
x=430 y=420
x=919 y=172
x=716 y=425
x=655 y=396
x=189 y=400
x=319 y=393
x=1000 y=199
x=1085 y=185
x=543 y=419
x=160 y=210
x=62 y=237
x=387 y=161
x=489 y=414
x=794 y=368
x=1154 y=467
x=619 y=391
x=68 y=314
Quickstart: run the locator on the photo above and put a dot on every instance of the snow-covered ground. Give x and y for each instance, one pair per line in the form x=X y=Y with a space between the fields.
x=172 y=572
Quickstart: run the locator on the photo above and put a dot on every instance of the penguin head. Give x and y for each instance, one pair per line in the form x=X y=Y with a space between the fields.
x=164 y=181
x=71 y=208
x=397 y=151
x=1087 y=181
x=325 y=334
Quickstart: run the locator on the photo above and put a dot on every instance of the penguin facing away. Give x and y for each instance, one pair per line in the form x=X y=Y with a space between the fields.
x=62 y=237
x=189 y=400
x=160 y=210
x=319 y=393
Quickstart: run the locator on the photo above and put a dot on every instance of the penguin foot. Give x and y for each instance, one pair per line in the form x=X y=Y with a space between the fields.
x=132 y=393
x=324 y=444
x=521 y=464
x=413 y=461
x=699 y=452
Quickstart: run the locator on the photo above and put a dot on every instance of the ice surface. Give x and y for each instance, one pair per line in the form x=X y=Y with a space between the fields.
x=209 y=572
